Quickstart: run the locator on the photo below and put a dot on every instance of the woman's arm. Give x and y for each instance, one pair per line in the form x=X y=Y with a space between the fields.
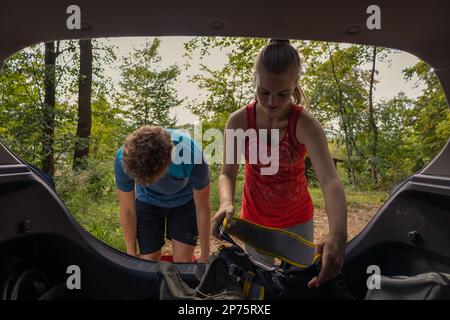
x=332 y=246
x=227 y=179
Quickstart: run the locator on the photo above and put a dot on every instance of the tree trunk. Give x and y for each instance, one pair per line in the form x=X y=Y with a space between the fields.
x=342 y=113
x=372 y=123
x=48 y=164
x=84 y=105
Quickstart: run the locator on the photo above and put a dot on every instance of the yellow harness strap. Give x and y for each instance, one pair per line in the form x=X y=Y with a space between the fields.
x=282 y=244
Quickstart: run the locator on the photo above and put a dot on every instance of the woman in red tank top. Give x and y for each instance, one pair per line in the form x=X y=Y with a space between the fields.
x=282 y=199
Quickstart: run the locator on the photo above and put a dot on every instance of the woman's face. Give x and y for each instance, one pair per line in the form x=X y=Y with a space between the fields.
x=274 y=91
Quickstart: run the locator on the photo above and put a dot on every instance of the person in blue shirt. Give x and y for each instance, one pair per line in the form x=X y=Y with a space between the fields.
x=163 y=187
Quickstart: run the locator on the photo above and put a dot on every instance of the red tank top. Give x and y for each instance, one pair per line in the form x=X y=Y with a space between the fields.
x=280 y=200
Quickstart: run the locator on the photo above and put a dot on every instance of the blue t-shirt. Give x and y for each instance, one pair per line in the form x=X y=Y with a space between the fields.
x=187 y=170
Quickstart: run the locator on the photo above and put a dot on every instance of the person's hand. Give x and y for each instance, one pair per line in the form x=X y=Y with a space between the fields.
x=224 y=211
x=332 y=248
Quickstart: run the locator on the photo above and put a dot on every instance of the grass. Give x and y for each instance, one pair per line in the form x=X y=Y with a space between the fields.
x=100 y=218
x=355 y=198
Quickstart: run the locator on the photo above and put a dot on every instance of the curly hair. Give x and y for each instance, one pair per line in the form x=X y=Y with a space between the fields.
x=147 y=154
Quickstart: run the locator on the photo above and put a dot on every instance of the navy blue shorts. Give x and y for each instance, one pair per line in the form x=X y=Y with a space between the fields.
x=154 y=224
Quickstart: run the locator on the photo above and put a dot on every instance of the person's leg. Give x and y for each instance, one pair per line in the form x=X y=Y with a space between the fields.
x=182 y=230
x=182 y=252
x=150 y=230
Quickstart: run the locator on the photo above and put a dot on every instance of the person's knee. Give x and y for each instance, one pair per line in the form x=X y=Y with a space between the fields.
x=182 y=252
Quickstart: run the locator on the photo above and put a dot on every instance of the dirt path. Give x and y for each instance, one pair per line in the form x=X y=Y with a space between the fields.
x=358 y=218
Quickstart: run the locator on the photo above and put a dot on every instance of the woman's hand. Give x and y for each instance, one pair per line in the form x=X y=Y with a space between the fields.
x=224 y=211
x=332 y=248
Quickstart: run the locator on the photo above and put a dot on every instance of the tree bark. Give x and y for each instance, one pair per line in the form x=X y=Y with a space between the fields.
x=372 y=123
x=48 y=164
x=84 y=105
x=342 y=113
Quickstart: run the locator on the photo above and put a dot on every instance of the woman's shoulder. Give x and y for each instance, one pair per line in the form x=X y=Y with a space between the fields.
x=304 y=116
x=307 y=124
x=238 y=119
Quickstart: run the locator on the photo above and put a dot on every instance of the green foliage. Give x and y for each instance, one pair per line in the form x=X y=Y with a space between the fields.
x=22 y=111
x=21 y=103
x=109 y=130
x=90 y=196
x=229 y=88
x=147 y=91
x=397 y=156
x=96 y=181
x=339 y=88
x=430 y=116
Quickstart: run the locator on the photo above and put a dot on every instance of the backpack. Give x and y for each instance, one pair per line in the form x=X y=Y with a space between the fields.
x=232 y=274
